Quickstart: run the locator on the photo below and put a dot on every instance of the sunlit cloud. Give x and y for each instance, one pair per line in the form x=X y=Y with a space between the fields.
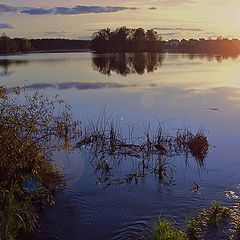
x=170 y=34
x=172 y=3
x=178 y=29
x=5 y=8
x=55 y=33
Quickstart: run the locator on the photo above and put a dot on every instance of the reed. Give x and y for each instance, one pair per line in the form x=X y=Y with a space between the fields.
x=150 y=150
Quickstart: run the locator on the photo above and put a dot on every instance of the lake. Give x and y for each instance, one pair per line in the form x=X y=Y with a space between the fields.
x=176 y=90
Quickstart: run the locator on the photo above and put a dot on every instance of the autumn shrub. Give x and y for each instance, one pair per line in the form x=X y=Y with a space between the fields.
x=32 y=128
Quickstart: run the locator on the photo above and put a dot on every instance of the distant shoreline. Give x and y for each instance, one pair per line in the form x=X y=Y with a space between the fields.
x=47 y=51
x=163 y=51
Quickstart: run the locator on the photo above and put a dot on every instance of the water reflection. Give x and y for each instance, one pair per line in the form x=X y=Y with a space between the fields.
x=6 y=63
x=140 y=63
x=79 y=85
x=125 y=64
x=219 y=57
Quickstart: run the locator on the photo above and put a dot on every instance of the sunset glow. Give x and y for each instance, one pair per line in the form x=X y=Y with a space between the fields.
x=79 y=19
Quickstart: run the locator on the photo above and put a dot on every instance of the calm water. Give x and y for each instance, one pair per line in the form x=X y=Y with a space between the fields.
x=178 y=90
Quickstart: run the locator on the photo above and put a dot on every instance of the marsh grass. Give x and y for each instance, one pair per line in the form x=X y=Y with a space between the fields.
x=149 y=150
x=163 y=230
x=194 y=228
x=214 y=222
x=211 y=221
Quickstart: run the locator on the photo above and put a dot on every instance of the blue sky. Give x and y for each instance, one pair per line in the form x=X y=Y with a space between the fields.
x=78 y=19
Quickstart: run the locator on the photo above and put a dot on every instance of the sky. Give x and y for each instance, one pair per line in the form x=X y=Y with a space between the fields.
x=76 y=19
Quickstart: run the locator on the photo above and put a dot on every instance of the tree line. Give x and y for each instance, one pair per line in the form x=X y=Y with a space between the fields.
x=219 y=45
x=125 y=39
x=15 y=45
x=122 y=39
x=59 y=44
x=8 y=45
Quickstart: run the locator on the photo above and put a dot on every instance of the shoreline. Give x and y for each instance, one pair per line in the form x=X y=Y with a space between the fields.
x=164 y=51
x=47 y=51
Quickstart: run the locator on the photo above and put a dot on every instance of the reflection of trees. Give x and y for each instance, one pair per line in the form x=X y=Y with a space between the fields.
x=216 y=56
x=124 y=64
x=5 y=64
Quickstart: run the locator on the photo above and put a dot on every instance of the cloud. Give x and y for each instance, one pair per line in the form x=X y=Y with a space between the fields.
x=170 y=33
x=172 y=3
x=5 y=8
x=178 y=29
x=79 y=85
x=55 y=33
x=152 y=8
x=6 y=74
x=6 y=26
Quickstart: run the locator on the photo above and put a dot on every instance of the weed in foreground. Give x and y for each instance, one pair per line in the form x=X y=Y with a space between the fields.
x=163 y=230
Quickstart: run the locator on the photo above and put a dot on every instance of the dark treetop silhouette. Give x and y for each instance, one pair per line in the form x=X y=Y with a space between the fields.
x=124 y=39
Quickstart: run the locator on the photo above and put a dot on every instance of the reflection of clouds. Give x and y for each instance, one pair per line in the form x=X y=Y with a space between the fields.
x=178 y=29
x=6 y=74
x=79 y=85
x=6 y=26
x=216 y=98
x=147 y=100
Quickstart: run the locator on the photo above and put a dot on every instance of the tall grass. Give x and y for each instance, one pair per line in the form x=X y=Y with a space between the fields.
x=163 y=230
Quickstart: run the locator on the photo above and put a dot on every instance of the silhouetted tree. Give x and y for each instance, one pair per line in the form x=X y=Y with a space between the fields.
x=153 y=39
x=124 y=39
x=7 y=45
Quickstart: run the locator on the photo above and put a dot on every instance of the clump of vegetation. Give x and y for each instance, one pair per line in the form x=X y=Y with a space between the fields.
x=149 y=151
x=207 y=220
x=216 y=220
x=31 y=129
x=194 y=228
x=163 y=230
x=124 y=39
x=215 y=215
x=196 y=144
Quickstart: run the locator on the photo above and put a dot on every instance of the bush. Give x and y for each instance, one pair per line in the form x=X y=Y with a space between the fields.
x=31 y=129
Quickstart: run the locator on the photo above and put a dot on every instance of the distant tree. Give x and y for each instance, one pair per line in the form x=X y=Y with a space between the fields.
x=101 y=39
x=138 y=37
x=23 y=45
x=7 y=45
x=119 y=38
x=153 y=39
x=124 y=39
x=152 y=35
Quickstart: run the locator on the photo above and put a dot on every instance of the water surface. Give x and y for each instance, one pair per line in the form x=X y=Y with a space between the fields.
x=178 y=90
